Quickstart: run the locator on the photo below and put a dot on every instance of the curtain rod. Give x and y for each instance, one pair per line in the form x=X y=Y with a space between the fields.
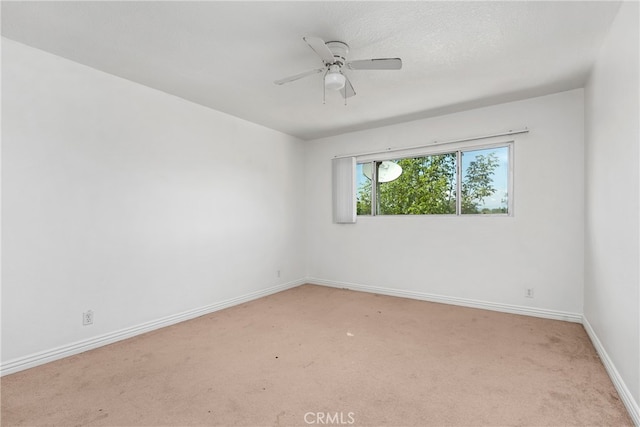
x=475 y=138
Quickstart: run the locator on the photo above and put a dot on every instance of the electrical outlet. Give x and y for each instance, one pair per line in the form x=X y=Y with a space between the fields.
x=278 y=273
x=528 y=292
x=87 y=318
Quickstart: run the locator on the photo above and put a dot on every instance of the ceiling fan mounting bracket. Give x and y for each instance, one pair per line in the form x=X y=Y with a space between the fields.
x=340 y=50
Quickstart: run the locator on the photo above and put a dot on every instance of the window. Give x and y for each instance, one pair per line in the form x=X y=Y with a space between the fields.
x=428 y=185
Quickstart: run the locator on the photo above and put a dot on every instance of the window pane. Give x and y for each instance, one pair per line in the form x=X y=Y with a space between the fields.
x=485 y=181
x=363 y=184
x=426 y=185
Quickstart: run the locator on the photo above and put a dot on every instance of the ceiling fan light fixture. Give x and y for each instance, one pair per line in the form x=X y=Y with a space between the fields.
x=334 y=79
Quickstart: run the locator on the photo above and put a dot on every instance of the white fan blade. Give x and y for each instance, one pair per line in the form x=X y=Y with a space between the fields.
x=298 y=76
x=319 y=47
x=376 y=64
x=347 y=91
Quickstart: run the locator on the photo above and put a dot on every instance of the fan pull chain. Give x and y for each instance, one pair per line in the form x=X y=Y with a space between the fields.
x=324 y=90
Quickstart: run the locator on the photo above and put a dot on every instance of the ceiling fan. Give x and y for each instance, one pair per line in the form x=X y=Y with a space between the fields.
x=334 y=58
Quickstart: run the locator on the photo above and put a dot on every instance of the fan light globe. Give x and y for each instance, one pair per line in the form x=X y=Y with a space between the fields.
x=334 y=81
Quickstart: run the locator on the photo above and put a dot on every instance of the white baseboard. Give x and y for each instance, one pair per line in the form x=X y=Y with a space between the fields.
x=30 y=361
x=618 y=382
x=465 y=302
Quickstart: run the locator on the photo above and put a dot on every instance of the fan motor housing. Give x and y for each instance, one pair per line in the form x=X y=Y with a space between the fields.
x=340 y=51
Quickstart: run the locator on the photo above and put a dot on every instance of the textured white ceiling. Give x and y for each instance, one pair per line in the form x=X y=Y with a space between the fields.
x=226 y=55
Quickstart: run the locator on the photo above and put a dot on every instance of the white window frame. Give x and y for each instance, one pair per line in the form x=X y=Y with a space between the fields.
x=457 y=148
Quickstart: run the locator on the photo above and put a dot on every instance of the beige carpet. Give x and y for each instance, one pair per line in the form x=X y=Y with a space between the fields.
x=318 y=356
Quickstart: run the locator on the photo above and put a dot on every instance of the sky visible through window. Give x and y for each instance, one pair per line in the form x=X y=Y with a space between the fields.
x=500 y=175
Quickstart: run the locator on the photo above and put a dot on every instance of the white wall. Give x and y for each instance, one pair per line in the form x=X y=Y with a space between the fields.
x=489 y=259
x=133 y=203
x=611 y=297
